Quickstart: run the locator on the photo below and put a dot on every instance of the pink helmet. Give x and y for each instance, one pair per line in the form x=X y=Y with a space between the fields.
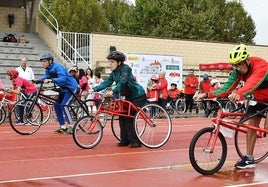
x=154 y=77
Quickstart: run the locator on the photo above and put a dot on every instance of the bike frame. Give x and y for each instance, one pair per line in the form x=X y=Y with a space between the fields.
x=49 y=100
x=234 y=125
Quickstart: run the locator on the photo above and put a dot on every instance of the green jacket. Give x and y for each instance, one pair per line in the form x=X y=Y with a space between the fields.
x=122 y=76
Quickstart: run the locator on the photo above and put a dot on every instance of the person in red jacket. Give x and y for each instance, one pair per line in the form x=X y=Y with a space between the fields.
x=191 y=84
x=152 y=92
x=205 y=86
x=161 y=86
x=254 y=72
x=173 y=92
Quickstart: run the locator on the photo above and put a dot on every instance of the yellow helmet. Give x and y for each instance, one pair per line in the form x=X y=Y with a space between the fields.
x=238 y=54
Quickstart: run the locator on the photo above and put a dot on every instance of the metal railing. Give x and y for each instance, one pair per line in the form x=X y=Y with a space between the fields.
x=74 y=48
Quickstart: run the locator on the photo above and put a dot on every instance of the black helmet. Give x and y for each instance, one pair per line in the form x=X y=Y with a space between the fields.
x=47 y=56
x=116 y=55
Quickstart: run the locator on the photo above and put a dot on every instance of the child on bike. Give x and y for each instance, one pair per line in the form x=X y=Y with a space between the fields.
x=56 y=73
x=20 y=85
x=254 y=72
x=127 y=86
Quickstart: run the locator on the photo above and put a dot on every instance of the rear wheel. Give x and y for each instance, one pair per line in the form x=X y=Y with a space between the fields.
x=26 y=117
x=153 y=125
x=260 y=149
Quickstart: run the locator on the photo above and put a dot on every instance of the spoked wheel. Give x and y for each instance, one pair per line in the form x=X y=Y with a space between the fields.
x=260 y=149
x=87 y=132
x=203 y=159
x=26 y=117
x=153 y=125
x=2 y=115
x=180 y=106
x=115 y=127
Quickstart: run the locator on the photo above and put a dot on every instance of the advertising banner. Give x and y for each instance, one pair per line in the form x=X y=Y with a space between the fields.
x=144 y=66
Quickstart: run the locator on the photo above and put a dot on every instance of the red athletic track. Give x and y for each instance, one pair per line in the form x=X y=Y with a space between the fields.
x=49 y=159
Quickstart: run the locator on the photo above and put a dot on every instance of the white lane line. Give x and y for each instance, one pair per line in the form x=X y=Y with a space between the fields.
x=86 y=174
x=251 y=184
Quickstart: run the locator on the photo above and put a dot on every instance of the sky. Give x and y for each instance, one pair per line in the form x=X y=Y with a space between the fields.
x=257 y=9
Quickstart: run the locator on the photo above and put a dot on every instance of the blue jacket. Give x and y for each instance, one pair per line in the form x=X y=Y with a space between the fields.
x=60 y=76
x=122 y=75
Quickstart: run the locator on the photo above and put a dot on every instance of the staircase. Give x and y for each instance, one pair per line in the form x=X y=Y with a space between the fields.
x=11 y=54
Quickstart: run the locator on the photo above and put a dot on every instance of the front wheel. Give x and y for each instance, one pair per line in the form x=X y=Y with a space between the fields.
x=153 y=125
x=204 y=157
x=87 y=132
x=260 y=149
x=26 y=117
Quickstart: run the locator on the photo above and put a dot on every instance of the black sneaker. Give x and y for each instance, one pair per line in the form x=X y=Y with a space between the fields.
x=246 y=162
x=69 y=130
x=123 y=144
x=134 y=145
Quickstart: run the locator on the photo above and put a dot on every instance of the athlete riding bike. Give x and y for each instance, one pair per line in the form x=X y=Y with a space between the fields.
x=254 y=72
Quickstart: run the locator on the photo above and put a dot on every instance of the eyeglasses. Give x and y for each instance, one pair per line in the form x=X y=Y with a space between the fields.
x=240 y=64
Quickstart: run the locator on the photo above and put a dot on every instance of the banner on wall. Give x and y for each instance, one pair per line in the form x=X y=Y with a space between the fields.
x=144 y=66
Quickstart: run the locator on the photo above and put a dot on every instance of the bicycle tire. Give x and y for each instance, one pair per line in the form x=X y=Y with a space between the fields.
x=202 y=159
x=260 y=149
x=87 y=132
x=3 y=115
x=180 y=106
x=30 y=123
x=46 y=110
x=158 y=133
x=115 y=127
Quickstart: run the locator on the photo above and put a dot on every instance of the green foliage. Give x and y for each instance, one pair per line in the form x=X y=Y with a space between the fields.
x=208 y=20
x=79 y=16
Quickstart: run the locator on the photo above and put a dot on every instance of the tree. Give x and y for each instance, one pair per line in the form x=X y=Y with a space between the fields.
x=79 y=16
x=114 y=11
x=210 y=20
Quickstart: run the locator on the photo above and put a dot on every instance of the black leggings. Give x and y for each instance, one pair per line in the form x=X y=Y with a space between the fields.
x=189 y=102
x=127 y=129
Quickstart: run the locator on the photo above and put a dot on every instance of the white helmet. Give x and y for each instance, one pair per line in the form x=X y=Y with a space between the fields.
x=214 y=81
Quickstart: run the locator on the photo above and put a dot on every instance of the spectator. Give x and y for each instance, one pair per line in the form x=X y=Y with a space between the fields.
x=73 y=72
x=205 y=84
x=152 y=92
x=161 y=86
x=97 y=81
x=89 y=74
x=83 y=84
x=191 y=84
x=58 y=74
x=125 y=84
x=25 y=71
x=173 y=92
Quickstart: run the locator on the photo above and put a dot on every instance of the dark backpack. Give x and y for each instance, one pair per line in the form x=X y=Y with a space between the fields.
x=10 y=38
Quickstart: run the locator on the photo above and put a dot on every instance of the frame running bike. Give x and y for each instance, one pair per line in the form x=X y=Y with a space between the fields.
x=152 y=123
x=32 y=112
x=208 y=147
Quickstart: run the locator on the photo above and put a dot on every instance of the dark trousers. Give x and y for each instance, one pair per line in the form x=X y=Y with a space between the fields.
x=127 y=129
x=189 y=102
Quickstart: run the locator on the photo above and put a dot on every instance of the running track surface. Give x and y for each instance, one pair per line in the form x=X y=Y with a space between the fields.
x=49 y=159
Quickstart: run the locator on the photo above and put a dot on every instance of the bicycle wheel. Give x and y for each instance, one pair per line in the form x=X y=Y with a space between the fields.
x=2 y=115
x=153 y=125
x=25 y=118
x=260 y=149
x=46 y=110
x=180 y=106
x=87 y=132
x=115 y=127
x=203 y=159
